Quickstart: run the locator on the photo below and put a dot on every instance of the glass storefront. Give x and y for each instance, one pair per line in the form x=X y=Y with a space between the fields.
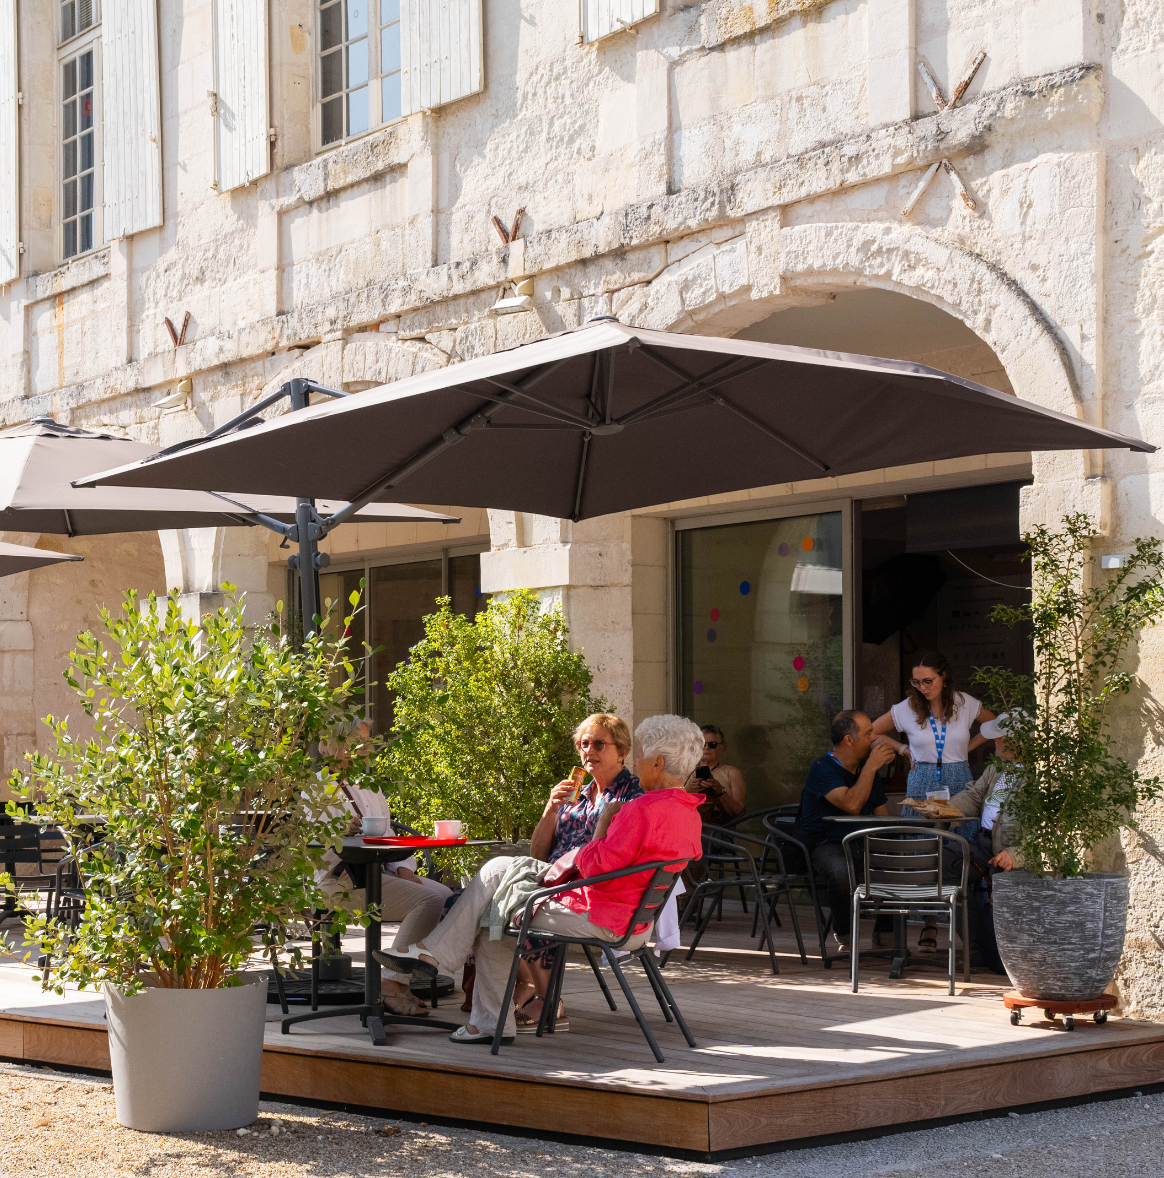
x=761 y=650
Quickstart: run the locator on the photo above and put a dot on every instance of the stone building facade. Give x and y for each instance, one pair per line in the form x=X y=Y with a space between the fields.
x=727 y=167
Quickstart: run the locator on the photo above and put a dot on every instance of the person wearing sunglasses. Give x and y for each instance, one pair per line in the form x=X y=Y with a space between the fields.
x=935 y=719
x=722 y=785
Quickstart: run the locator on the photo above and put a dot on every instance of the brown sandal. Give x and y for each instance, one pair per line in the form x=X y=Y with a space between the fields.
x=528 y=1025
x=404 y=1004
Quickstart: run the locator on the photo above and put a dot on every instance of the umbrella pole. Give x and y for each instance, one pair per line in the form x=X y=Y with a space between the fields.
x=308 y=558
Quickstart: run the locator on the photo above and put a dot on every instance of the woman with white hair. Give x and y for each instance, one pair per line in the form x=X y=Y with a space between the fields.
x=662 y=825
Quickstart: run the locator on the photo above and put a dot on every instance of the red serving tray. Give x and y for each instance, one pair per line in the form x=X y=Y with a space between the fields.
x=392 y=840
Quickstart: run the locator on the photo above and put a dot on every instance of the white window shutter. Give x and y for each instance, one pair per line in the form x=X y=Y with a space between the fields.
x=600 y=18
x=9 y=146
x=131 y=117
x=240 y=86
x=440 y=52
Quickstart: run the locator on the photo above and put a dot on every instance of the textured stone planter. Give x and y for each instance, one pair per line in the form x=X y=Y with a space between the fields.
x=1060 y=939
x=187 y=1061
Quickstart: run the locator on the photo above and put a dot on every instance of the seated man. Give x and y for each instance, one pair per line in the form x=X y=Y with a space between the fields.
x=661 y=825
x=843 y=781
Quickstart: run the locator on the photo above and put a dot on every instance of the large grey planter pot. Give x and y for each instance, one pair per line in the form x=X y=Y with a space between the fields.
x=186 y=1061
x=1060 y=939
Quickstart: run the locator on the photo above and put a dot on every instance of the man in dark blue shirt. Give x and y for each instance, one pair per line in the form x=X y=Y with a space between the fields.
x=843 y=781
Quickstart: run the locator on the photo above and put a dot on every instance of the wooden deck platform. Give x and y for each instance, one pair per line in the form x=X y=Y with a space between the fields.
x=778 y=1058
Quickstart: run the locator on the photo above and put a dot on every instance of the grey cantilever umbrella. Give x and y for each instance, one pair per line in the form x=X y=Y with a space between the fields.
x=16 y=558
x=609 y=418
x=40 y=460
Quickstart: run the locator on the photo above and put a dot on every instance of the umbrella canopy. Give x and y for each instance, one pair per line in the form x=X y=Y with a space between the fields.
x=609 y=418
x=39 y=461
x=16 y=558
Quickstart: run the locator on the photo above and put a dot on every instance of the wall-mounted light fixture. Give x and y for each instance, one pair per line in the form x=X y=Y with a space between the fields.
x=520 y=300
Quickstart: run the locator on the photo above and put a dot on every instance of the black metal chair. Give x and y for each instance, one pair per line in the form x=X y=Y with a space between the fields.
x=25 y=842
x=782 y=829
x=901 y=873
x=723 y=846
x=662 y=883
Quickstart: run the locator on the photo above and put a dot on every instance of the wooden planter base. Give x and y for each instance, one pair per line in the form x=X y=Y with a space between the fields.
x=1016 y=1003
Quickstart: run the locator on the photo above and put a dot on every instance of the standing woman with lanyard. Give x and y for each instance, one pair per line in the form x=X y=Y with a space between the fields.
x=935 y=719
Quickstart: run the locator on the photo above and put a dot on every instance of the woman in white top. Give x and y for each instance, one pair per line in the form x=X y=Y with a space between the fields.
x=935 y=719
x=405 y=896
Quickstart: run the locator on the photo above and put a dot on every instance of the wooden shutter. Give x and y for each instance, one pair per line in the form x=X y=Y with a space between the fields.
x=9 y=146
x=240 y=85
x=440 y=52
x=131 y=117
x=600 y=18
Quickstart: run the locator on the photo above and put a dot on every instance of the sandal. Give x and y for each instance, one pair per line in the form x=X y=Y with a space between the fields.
x=403 y=1004
x=461 y=1035
x=928 y=941
x=406 y=961
x=528 y=1025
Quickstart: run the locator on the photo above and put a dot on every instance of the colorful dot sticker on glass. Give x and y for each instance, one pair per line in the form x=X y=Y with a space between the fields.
x=783 y=549
x=715 y=615
x=711 y=636
x=798 y=663
x=697 y=687
x=745 y=587
x=802 y=684
x=806 y=543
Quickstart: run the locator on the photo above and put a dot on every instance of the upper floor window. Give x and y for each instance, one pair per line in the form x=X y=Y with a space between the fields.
x=77 y=16
x=343 y=69
x=79 y=151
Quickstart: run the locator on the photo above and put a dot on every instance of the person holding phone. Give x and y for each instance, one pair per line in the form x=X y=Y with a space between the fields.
x=722 y=785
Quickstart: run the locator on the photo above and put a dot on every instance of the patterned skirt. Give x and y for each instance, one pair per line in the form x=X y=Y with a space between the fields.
x=923 y=779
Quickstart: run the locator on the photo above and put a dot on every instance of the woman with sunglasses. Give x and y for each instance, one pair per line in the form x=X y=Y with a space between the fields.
x=722 y=785
x=935 y=719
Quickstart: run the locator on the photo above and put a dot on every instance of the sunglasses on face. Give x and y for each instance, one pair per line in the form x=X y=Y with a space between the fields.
x=712 y=744
x=595 y=745
x=921 y=683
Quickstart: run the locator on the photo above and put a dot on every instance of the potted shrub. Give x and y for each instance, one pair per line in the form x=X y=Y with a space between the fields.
x=1060 y=927
x=199 y=812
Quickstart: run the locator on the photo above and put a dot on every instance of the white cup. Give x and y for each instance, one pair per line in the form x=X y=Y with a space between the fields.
x=450 y=829
x=374 y=826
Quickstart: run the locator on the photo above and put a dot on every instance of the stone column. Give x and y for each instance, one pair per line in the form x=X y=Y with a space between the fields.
x=200 y=560
x=16 y=667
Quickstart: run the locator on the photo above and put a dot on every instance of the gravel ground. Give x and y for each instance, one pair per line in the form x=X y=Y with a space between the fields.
x=62 y=1124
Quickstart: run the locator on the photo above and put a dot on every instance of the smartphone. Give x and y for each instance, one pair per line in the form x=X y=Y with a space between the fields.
x=577 y=776
x=703 y=773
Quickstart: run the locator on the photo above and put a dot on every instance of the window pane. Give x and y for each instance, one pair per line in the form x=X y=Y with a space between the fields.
x=70 y=205
x=69 y=161
x=70 y=238
x=69 y=125
x=87 y=191
x=358 y=111
x=68 y=23
x=465 y=585
x=400 y=595
x=339 y=588
x=357 y=18
x=390 y=97
x=331 y=30
x=86 y=101
x=358 y=63
x=86 y=60
x=760 y=635
x=331 y=73
x=389 y=11
x=87 y=151
x=69 y=78
x=390 y=49
x=86 y=223
x=332 y=120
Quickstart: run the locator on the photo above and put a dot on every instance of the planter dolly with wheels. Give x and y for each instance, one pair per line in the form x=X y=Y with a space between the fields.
x=1096 y=1007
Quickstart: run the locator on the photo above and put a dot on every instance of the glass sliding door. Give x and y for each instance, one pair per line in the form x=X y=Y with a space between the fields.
x=760 y=643
x=401 y=595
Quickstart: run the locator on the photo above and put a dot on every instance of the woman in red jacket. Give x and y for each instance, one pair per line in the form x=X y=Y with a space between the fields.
x=662 y=825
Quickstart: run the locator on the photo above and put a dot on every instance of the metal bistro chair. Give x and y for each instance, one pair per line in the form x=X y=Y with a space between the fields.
x=662 y=883
x=722 y=845
x=781 y=826
x=902 y=872
x=722 y=867
x=25 y=842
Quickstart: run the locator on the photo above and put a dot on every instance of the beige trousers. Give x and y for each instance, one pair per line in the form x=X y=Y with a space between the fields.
x=460 y=934
x=415 y=903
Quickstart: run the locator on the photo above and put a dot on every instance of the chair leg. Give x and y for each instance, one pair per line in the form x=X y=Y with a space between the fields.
x=854 y=949
x=762 y=902
x=507 y=997
x=550 y=1010
x=633 y=1004
x=653 y=969
x=821 y=923
x=965 y=937
x=953 y=935
x=589 y=951
x=281 y=992
x=317 y=921
x=655 y=986
x=551 y=986
x=705 y=920
x=795 y=922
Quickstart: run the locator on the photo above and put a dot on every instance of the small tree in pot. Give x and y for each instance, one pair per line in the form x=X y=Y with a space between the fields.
x=1061 y=928
x=207 y=810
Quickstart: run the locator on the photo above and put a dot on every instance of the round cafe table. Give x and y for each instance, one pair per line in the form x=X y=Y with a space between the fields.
x=364 y=860
x=899 y=956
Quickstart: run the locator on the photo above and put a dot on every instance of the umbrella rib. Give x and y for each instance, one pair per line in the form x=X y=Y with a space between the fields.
x=701 y=384
x=545 y=407
x=773 y=434
x=586 y=439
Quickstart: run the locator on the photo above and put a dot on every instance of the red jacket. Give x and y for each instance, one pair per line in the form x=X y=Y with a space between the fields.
x=662 y=825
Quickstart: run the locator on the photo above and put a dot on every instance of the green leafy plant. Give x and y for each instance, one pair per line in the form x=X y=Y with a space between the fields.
x=207 y=804
x=484 y=713
x=1070 y=788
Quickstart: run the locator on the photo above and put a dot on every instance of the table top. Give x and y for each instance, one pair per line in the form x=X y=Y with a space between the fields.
x=355 y=850
x=891 y=820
